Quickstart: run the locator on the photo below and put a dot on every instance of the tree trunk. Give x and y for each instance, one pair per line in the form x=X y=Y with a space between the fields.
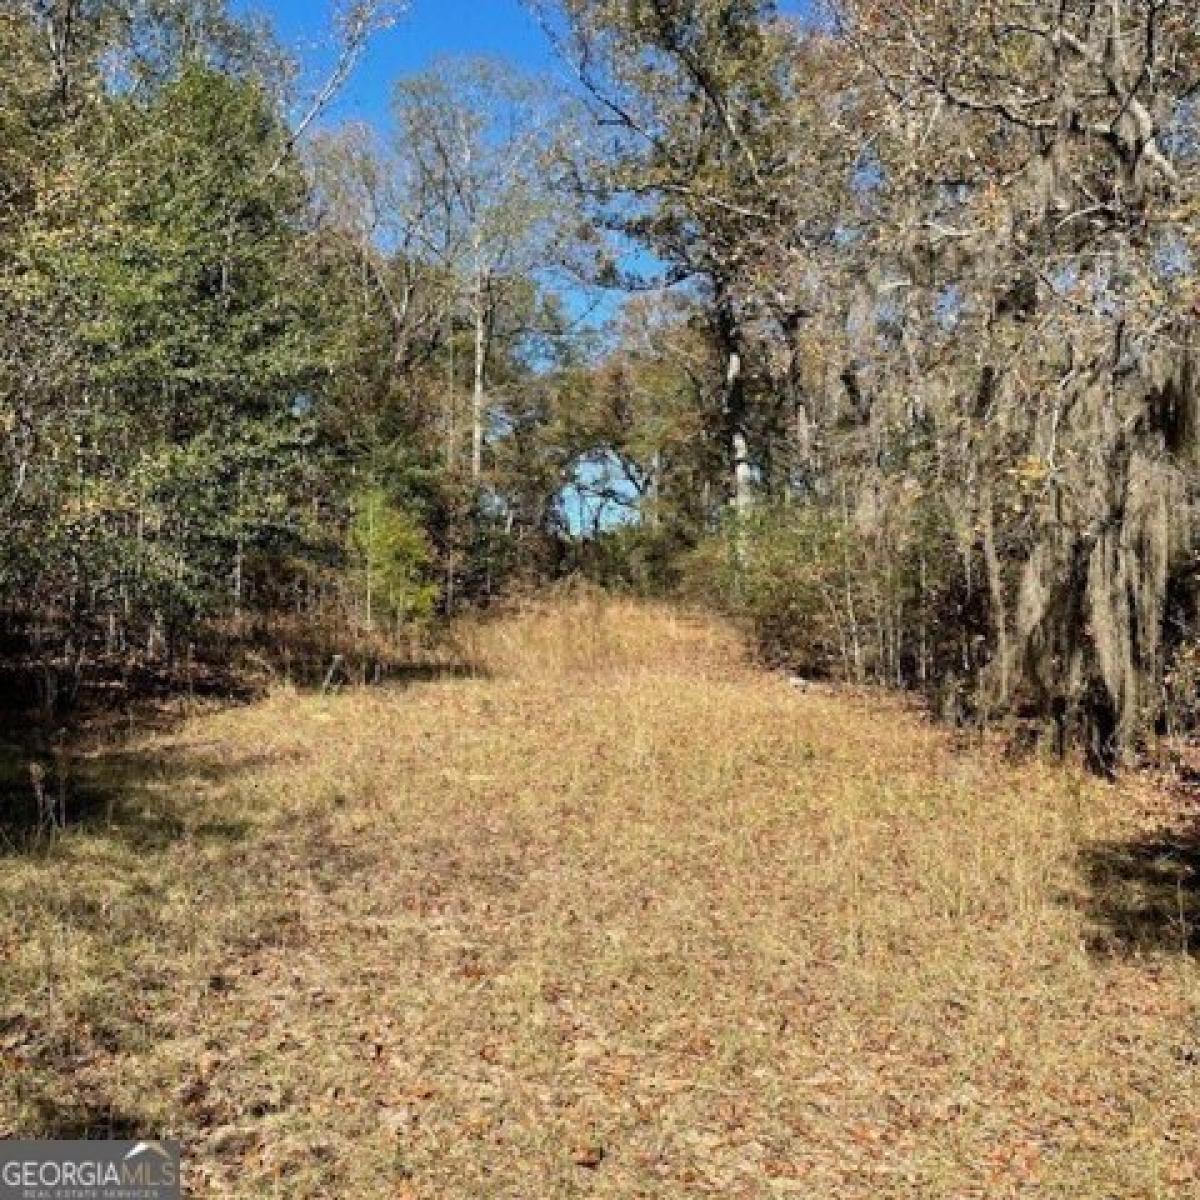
x=743 y=473
x=370 y=556
x=478 y=395
x=995 y=581
x=733 y=409
x=655 y=489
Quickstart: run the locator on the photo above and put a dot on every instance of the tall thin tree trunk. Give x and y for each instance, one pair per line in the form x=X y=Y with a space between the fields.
x=451 y=383
x=239 y=564
x=478 y=395
x=370 y=581
x=995 y=582
x=655 y=489
x=239 y=571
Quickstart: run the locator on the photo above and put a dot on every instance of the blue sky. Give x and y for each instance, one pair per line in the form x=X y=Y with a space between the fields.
x=430 y=30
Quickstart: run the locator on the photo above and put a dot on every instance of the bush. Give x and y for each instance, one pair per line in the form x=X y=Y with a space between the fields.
x=830 y=593
x=639 y=559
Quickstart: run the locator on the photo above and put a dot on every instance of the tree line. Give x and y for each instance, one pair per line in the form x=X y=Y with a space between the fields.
x=874 y=325
x=941 y=335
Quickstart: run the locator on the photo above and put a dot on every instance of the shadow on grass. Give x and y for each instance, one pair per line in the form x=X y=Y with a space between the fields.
x=116 y=788
x=89 y=1123
x=117 y=796
x=400 y=676
x=1144 y=895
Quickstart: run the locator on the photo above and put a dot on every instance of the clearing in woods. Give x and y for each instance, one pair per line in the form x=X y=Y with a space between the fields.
x=611 y=913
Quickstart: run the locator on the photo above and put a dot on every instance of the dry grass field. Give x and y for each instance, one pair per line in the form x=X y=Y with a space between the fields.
x=609 y=912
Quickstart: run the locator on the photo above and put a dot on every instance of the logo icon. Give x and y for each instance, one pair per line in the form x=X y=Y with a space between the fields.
x=32 y=1170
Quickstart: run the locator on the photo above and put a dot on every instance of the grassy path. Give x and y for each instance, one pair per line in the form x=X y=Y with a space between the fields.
x=621 y=917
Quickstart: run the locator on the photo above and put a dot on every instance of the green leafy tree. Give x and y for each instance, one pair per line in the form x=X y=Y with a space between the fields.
x=390 y=561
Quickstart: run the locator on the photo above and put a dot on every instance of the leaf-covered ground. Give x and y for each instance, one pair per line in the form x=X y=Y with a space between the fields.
x=612 y=914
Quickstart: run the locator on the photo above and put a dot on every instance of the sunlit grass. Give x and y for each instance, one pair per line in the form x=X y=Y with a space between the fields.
x=612 y=913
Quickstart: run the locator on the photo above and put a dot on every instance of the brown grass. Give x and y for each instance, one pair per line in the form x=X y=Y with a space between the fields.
x=622 y=916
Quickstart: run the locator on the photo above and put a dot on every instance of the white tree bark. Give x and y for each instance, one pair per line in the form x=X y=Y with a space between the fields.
x=479 y=390
x=743 y=472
